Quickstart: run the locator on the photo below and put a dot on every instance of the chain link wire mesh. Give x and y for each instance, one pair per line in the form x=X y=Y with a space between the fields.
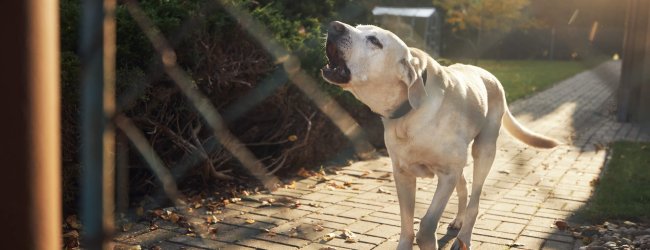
x=289 y=70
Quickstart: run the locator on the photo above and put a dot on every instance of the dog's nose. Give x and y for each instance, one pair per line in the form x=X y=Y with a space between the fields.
x=336 y=28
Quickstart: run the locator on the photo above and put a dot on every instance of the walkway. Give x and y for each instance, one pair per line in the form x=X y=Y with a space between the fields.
x=526 y=192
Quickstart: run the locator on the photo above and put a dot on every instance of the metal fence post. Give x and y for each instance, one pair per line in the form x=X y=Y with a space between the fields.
x=30 y=183
x=633 y=90
x=97 y=133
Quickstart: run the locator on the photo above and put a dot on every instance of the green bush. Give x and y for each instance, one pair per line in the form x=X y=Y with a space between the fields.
x=225 y=63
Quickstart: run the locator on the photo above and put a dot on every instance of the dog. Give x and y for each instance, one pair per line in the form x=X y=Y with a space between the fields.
x=431 y=114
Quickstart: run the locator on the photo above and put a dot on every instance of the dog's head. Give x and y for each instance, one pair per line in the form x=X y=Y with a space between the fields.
x=375 y=65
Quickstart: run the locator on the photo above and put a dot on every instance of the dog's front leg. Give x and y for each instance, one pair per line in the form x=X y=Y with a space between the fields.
x=426 y=237
x=405 y=184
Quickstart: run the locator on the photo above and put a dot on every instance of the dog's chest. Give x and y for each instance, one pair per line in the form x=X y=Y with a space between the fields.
x=424 y=152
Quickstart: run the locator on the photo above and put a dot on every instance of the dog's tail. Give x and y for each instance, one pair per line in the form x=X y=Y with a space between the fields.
x=524 y=135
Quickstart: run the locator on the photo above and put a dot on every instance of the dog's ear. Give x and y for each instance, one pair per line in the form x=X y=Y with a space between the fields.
x=412 y=77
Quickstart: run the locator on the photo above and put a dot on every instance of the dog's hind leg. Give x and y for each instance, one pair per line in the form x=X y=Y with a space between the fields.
x=483 y=152
x=426 y=237
x=461 y=192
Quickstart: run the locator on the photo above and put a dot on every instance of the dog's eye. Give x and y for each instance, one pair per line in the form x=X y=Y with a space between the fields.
x=375 y=41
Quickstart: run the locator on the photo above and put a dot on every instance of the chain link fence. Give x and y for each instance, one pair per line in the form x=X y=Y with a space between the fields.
x=207 y=138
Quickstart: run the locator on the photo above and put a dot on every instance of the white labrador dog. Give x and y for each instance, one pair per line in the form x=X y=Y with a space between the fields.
x=431 y=114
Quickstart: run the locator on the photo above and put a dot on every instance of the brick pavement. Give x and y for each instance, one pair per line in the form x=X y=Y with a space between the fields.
x=527 y=190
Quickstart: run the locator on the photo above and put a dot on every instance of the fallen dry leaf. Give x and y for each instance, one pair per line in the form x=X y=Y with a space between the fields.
x=125 y=247
x=211 y=219
x=291 y=185
x=382 y=191
x=73 y=222
x=71 y=234
x=386 y=175
x=351 y=240
x=321 y=178
x=594 y=182
x=335 y=185
x=349 y=236
x=599 y=146
x=269 y=232
x=267 y=199
x=515 y=244
x=329 y=236
x=157 y=212
x=153 y=226
x=249 y=221
x=71 y=239
x=127 y=227
x=318 y=228
x=504 y=171
x=302 y=172
x=174 y=218
x=562 y=225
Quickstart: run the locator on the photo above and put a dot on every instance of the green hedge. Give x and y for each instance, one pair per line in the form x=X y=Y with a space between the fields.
x=225 y=63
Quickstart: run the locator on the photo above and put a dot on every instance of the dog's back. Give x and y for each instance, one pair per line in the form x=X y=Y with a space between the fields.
x=490 y=88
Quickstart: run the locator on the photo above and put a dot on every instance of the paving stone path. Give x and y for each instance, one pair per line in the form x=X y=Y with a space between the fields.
x=526 y=192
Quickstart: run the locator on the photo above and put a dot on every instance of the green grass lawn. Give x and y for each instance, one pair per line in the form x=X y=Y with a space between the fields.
x=623 y=192
x=521 y=78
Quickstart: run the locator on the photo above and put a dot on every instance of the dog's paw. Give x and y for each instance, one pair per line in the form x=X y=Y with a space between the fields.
x=459 y=245
x=456 y=224
x=426 y=242
x=405 y=245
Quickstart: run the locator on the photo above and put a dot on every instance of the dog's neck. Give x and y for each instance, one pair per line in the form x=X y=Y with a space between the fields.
x=405 y=107
x=401 y=111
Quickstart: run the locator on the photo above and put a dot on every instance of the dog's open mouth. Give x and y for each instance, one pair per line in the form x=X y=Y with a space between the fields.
x=336 y=71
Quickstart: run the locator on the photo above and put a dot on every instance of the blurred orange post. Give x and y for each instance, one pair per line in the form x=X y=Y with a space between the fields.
x=30 y=184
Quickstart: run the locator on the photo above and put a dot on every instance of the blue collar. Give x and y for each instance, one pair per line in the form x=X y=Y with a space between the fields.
x=405 y=107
